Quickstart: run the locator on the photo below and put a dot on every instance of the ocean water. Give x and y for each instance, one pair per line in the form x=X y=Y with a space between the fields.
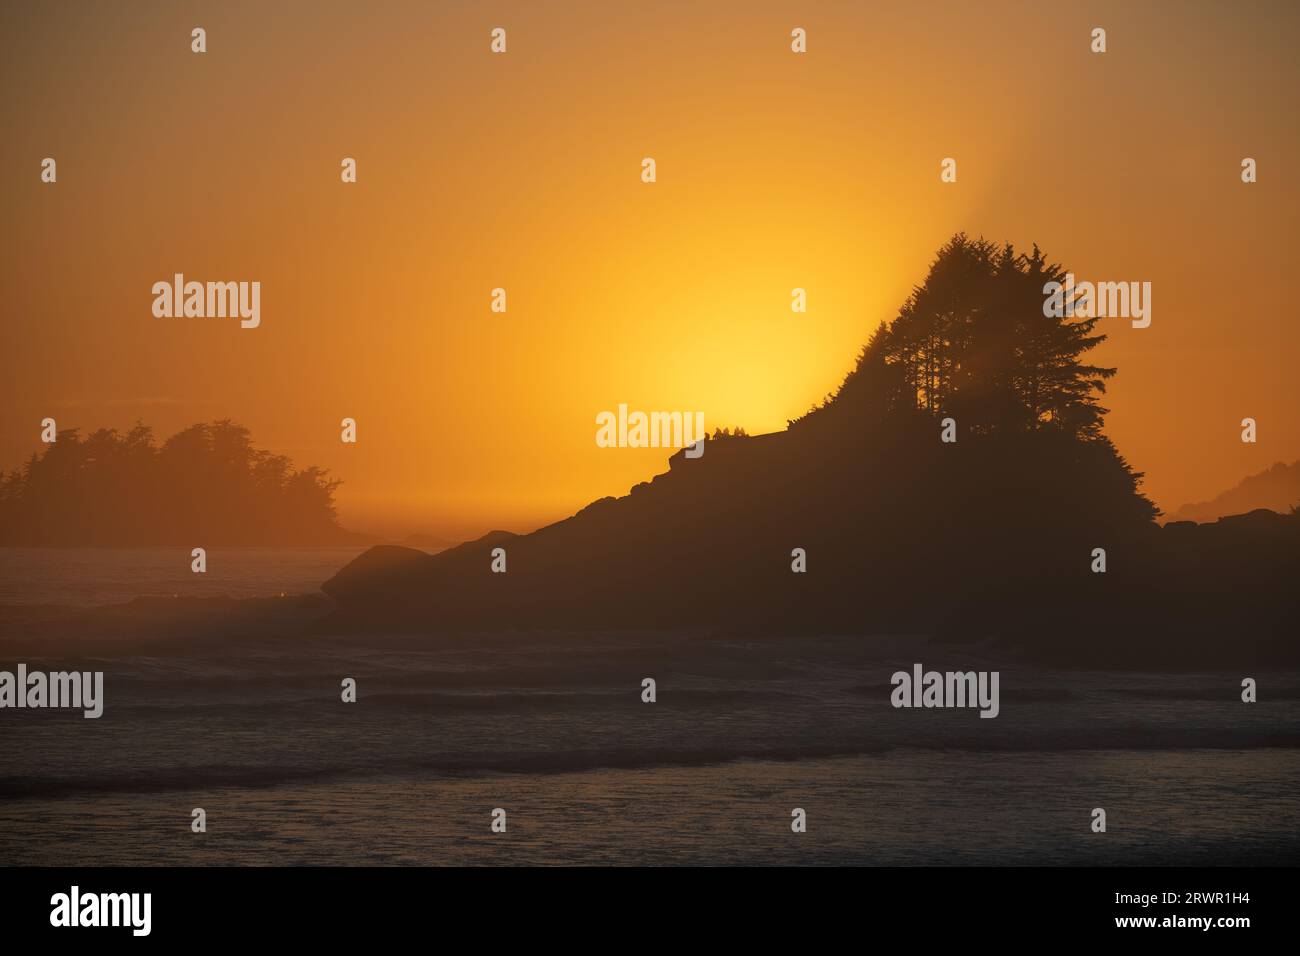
x=552 y=729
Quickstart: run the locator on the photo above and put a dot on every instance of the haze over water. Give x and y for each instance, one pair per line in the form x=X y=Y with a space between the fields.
x=93 y=576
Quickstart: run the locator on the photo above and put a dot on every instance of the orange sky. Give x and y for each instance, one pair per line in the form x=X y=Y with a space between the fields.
x=523 y=171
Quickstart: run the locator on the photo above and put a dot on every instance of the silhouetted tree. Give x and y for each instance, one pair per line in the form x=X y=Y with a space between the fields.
x=972 y=342
x=738 y=432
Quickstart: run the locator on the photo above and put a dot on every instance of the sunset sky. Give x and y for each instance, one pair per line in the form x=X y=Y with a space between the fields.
x=522 y=171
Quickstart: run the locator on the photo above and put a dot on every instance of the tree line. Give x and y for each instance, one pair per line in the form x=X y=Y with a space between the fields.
x=204 y=485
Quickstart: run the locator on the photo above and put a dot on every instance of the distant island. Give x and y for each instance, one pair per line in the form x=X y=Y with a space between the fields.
x=958 y=484
x=1276 y=488
x=206 y=485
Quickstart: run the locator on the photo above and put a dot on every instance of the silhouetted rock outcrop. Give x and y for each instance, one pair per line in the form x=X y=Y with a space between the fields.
x=991 y=536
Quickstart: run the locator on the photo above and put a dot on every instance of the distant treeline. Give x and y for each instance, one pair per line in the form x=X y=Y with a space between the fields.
x=206 y=485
